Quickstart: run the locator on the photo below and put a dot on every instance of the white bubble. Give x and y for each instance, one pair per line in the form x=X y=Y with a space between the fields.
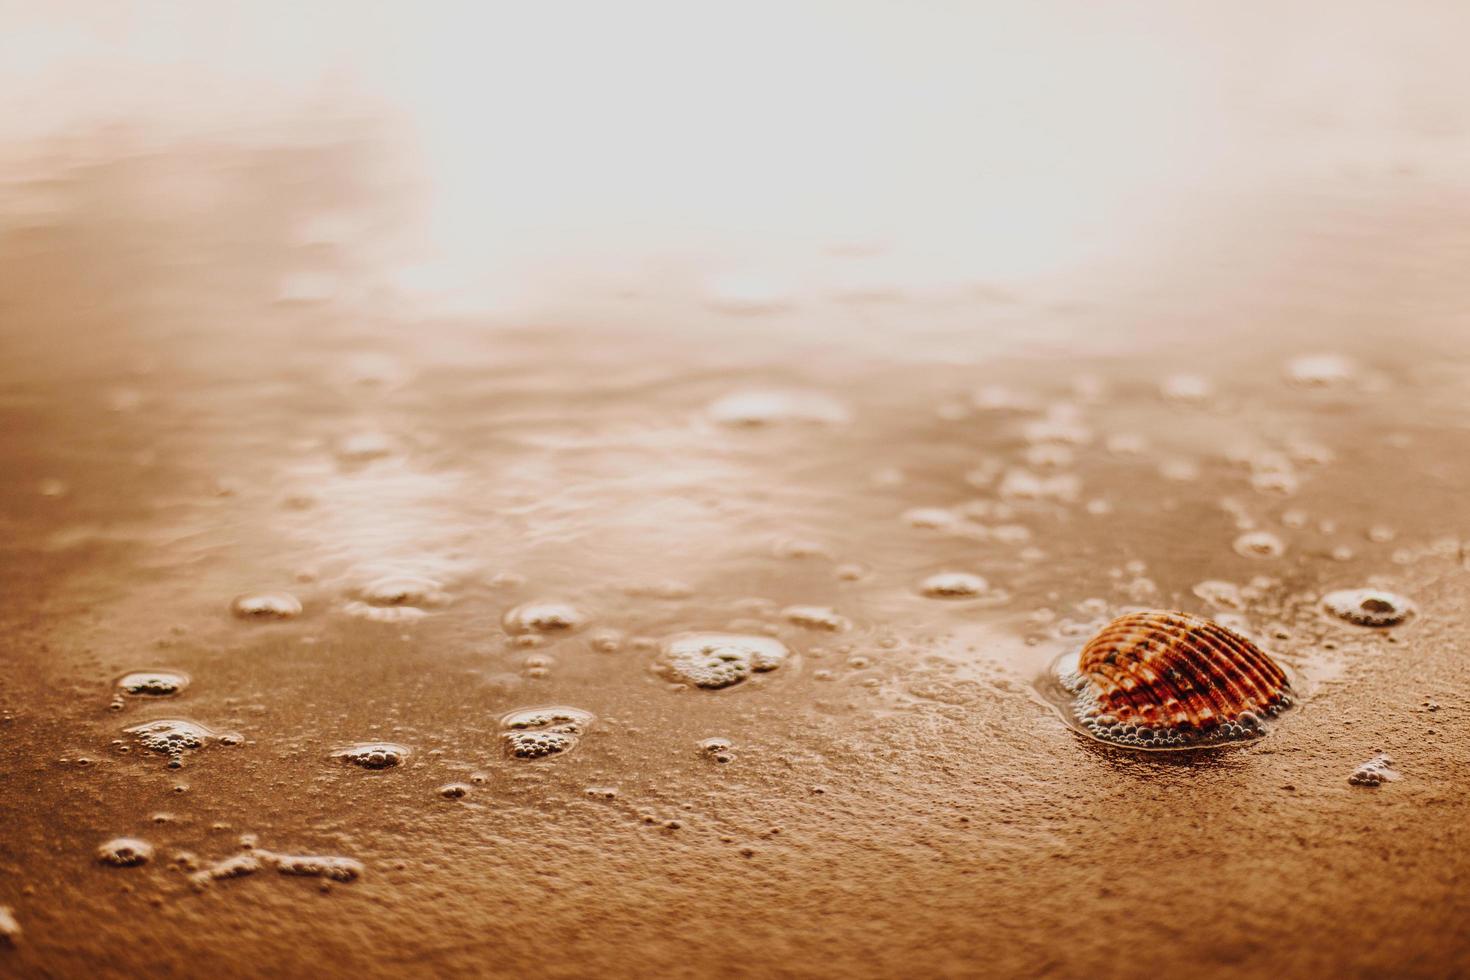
x=718 y=660
x=953 y=585
x=374 y=755
x=544 y=617
x=816 y=618
x=1259 y=544
x=266 y=606
x=1375 y=772
x=153 y=683
x=125 y=852
x=1368 y=607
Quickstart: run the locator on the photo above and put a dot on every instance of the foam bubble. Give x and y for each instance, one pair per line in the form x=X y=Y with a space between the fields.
x=1076 y=700
x=1375 y=772
x=1259 y=544
x=153 y=683
x=717 y=749
x=331 y=867
x=374 y=755
x=1368 y=607
x=718 y=660
x=953 y=585
x=558 y=718
x=816 y=618
x=125 y=852
x=544 y=617
x=403 y=590
x=252 y=860
x=606 y=640
x=266 y=606
x=1222 y=595
x=174 y=737
x=537 y=733
x=9 y=928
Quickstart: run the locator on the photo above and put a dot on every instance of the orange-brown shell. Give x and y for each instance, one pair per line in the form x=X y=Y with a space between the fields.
x=1177 y=671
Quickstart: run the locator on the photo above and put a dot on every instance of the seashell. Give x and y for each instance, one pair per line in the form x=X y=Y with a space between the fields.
x=1368 y=607
x=1169 y=680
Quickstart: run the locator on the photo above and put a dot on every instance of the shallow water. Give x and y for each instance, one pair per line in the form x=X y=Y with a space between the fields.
x=415 y=576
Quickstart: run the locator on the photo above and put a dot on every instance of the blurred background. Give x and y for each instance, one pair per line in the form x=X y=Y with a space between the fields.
x=502 y=158
x=343 y=342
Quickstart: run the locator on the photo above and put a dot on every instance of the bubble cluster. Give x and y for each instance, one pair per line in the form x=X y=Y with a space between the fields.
x=266 y=606
x=330 y=867
x=455 y=791
x=125 y=852
x=252 y=860
x=1368 y=607
x=153 y=683
x=374 y=755
x=1375 y=772
x=174 y=737
x=544 y=617
x=717 y=749
x=953 y=585
x=718 y=660
x=537 y=733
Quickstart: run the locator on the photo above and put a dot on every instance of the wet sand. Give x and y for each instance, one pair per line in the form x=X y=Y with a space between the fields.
x=220 y=380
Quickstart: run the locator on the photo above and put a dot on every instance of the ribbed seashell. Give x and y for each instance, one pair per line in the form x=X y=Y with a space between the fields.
x=1171 y=680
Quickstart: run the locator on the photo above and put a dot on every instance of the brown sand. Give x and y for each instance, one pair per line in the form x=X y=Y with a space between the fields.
x=199 y=402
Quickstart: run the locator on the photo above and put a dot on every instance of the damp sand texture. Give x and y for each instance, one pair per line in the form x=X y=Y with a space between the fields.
x=393 y=589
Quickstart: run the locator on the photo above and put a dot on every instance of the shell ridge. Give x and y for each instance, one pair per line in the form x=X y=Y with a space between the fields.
x=1166 y=679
